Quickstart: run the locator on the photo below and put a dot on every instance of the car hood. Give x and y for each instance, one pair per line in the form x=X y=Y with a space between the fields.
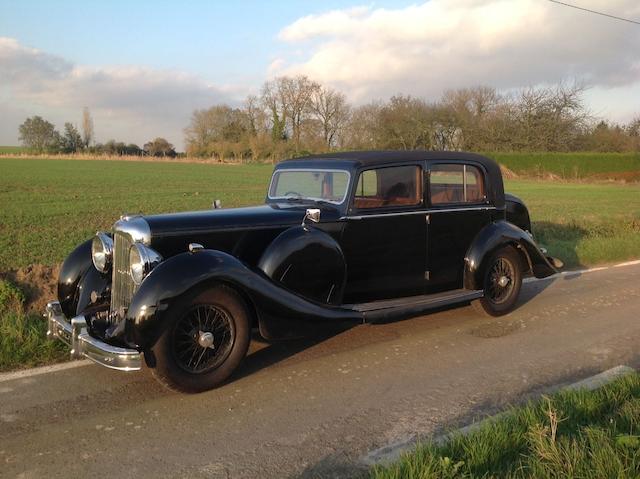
x=270 y=215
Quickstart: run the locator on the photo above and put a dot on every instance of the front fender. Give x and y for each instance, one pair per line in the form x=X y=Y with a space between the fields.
x=147 y=315
x=308 y=261
x=496 y=235
x=78 y=278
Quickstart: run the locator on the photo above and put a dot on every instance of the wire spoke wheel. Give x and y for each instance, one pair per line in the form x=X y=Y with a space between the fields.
x=502 y=283
x=501 y=280
x=203 y=338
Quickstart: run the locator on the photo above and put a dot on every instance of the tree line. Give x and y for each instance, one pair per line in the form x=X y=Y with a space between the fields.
x=296 y=116
x=41 y=136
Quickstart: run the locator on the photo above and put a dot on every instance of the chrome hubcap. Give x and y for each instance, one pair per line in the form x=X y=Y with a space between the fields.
x=205 y=339
x=503 y=281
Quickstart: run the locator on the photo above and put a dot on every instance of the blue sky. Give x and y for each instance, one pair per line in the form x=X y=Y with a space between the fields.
x=228 y=42
x=142 y=67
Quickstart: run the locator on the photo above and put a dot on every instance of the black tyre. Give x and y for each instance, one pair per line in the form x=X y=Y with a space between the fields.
x=502 y=282
x=207 y=338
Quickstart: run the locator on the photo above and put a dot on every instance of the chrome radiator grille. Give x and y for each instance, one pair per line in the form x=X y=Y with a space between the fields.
x=122 y=286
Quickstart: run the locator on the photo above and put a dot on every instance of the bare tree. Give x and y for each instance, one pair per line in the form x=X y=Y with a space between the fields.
x=361 y=130
x=332 y=110
x=405 y=123
x=256 y=116
x=297 y=94
x=273 y=100
x=87 y=127
x=218 y=131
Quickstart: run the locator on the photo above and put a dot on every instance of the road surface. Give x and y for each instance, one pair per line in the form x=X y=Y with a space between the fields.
x=314 y=408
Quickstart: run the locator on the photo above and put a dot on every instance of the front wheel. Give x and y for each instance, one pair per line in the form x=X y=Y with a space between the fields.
x=501 y=284
x=207 y=337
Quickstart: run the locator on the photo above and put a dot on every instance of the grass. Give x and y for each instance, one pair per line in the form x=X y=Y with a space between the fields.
x=23 y=340
x=573 y=165
x=583 y=224
x=49 y=206
x=580 y=434
x=12 y=150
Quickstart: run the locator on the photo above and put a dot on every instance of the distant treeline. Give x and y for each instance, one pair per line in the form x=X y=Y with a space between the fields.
x=296 y=116
x=38 y=135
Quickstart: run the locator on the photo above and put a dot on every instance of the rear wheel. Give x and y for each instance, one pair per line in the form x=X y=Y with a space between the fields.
x=501 y=284
x=206 y=339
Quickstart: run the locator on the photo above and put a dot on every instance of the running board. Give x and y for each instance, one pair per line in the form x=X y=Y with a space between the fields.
x=396 y=308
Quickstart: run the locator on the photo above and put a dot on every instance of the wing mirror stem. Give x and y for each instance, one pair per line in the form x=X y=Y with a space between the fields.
x=312 y=214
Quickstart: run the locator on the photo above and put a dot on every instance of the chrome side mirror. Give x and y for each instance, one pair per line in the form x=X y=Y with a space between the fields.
x=312 y=214
x=217 y=204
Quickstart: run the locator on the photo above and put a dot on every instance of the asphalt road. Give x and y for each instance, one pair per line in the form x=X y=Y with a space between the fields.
x=314 y=408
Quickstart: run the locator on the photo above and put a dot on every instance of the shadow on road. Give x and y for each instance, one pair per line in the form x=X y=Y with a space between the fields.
x=275 y=352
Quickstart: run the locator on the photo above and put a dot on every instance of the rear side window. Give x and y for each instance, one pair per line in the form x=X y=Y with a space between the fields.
x=455 y=184
x=392 y=186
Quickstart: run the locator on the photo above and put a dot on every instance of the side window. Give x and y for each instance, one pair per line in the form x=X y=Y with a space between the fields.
x=455 y=183
x=391 y=186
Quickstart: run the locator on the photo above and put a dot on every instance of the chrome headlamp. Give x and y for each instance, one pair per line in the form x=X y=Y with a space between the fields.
x=142 y=260
x=102 y=252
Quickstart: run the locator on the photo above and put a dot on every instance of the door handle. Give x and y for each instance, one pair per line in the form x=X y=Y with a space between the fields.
x=427 y=218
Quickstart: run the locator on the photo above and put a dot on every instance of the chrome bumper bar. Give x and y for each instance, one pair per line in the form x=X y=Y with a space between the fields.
x=75 y=335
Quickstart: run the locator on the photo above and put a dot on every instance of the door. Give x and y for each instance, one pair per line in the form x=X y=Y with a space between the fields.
x=458 y=211
x=385 y=237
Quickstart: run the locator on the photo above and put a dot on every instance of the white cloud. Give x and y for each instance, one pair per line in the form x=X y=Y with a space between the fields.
x=128 y=103
x=426 y=48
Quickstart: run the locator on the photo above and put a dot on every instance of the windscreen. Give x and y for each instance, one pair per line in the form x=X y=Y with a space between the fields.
x=313 y=185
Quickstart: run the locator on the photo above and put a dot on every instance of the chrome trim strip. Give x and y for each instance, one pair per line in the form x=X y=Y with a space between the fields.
x=420 y=212
x=74 y=334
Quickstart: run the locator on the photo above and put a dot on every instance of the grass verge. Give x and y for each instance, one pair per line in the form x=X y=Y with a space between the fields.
x=23 y=341
x=581 y=434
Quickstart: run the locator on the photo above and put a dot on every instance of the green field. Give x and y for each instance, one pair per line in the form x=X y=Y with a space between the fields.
x=624 y=166
x=12 y=150
x=49 y=206
x=572 y=434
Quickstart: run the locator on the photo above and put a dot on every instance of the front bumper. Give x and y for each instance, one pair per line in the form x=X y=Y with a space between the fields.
x=75 y=335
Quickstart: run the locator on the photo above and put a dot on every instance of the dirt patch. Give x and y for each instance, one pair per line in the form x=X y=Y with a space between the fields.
x=507 y=173
x=495 y=329
x=37 y=282
x=620 y=176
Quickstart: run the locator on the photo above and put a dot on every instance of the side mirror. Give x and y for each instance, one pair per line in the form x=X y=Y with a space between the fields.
x=312 y=214
x=217 y=204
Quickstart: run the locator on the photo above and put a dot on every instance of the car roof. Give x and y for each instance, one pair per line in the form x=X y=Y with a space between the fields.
x=383 y=157
x=354 y=160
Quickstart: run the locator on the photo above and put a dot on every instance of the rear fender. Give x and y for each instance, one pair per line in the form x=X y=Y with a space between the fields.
x=497 y=235
x=147 y=316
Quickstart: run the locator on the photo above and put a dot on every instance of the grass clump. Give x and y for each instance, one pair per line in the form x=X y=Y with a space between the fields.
x=580 y=434
x=23 y=341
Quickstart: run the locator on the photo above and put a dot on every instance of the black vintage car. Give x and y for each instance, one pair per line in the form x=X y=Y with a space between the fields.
x=343 y=238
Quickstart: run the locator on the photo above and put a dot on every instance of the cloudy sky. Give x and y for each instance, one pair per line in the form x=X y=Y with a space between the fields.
x=143 y=67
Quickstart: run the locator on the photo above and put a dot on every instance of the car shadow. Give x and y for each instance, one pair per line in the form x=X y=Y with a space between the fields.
x=561 y=241
x=269 y=353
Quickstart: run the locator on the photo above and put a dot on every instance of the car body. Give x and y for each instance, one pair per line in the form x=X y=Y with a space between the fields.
x=342 y=238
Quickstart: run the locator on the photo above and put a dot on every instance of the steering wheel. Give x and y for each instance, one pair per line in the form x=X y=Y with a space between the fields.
x=293 y=193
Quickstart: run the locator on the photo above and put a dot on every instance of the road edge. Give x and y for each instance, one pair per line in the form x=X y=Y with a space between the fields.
x=392 y=451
